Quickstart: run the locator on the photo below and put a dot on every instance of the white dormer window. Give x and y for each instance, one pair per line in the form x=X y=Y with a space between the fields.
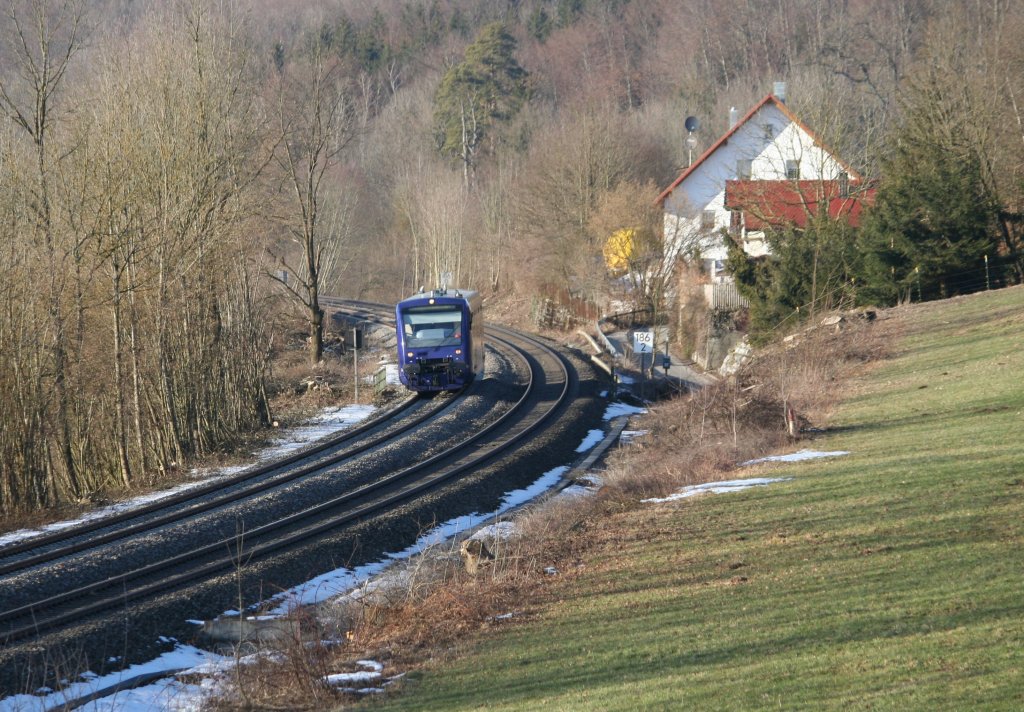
x=792 y=170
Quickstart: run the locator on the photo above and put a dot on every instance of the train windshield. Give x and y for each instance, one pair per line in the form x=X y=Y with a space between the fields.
x=426 y=327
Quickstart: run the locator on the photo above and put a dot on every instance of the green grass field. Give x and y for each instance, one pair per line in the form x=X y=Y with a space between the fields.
x=891 y=578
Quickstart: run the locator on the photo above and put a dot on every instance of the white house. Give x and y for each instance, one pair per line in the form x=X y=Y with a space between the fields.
x=769 y=143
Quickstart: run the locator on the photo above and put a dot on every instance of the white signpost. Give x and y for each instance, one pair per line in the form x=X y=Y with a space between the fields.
x=643 y=342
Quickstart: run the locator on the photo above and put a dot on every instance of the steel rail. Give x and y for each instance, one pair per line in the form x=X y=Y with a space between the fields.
x=202 y=490
x=10 y=563
x=248 y=491
x=120 y=583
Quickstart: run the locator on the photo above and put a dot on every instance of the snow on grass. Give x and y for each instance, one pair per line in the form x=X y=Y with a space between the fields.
x=371 y=674
x=795 y=457
x=577 y=490
x=371 y=679
x=328 y=422
x=736 y=485
x=718 y=488
x=136 y=502
x=499 y=531
x=628 y=436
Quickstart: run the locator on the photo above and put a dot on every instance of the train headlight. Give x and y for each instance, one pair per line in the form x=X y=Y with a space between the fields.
x=458 y=352
x=409 y=355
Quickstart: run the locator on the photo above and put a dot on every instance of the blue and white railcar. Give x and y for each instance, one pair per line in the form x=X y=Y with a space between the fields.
x=440 y=339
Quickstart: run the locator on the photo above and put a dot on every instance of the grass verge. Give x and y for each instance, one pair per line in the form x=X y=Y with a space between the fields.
x=889 y=578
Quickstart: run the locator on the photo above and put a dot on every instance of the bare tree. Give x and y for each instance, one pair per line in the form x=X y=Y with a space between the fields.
x=44 y=37
x=569 y=168
x=315 y=124
x=165 y=355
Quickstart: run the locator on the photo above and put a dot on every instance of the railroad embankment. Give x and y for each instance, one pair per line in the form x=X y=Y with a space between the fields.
x=888 y=576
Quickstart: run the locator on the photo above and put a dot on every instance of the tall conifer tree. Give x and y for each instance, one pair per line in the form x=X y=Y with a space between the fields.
x=475 y=96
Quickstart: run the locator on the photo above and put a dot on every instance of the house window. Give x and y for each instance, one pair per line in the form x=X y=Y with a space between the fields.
x=707 y=219
x=735 y=221
x=769 y=131
x=792 y=170
x=744 y=168
x=844 y=185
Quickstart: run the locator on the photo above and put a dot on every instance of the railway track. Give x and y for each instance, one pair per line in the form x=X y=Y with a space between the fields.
x=97 y=573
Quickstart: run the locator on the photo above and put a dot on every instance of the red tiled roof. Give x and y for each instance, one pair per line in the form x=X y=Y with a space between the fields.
x=787 y=203
x=769 y=99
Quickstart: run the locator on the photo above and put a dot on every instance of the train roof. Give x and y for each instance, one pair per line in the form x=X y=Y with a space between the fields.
x=445 y=296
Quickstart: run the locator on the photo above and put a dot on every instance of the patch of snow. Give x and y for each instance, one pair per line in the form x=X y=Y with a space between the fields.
x=795 y=457
x=23 y=534
x=718 y=488
x=584 y=486
x=573 y=491
x=500 y=531
x=628 y=436
x=616 y=409
x=327 y=423
x=363 y=676
x=166 y=694
x=592 y=439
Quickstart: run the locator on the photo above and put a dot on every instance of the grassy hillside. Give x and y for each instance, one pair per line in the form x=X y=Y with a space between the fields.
x=888 y=578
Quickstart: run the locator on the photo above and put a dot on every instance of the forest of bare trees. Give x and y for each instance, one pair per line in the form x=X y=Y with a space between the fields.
x=180 y=182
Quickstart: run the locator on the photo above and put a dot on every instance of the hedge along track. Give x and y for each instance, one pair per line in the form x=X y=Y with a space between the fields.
x=546 y=392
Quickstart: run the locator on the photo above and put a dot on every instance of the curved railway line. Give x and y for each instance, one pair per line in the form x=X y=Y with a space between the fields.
x=105 y=566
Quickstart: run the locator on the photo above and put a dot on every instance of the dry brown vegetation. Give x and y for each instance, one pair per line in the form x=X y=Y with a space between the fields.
x=690 y=439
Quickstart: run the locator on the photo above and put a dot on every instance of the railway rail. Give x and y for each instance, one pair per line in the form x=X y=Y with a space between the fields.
x=36 y=610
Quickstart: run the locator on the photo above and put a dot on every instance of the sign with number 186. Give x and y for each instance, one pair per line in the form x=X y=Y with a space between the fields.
x=643 y=342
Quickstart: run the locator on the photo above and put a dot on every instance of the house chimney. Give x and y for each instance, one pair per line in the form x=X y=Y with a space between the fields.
x=734 y=116
x=780 y=91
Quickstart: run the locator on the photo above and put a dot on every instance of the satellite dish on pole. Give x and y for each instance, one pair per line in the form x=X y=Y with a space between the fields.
x=692 y=123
